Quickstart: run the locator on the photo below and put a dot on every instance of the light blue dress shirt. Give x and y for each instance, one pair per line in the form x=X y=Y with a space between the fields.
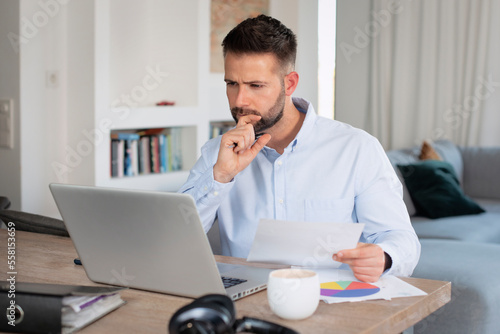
x=331 y=172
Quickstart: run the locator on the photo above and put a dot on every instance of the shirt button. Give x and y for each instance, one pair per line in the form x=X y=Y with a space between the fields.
x=280 y=201
x=216 y=193
x=205 y=188
x=280 y=163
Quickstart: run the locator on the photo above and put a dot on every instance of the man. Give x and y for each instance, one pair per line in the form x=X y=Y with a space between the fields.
x=282 y=161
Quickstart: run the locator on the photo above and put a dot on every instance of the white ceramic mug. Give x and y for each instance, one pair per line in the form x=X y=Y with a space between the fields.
x=293 y=294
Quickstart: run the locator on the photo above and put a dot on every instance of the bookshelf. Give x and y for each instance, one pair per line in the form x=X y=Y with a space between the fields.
x=136 y=68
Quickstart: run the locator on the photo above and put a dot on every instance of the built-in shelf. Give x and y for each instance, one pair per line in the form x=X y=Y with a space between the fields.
x=167 y=59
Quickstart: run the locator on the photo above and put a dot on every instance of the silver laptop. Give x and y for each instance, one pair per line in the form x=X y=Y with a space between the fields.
x=148 y=240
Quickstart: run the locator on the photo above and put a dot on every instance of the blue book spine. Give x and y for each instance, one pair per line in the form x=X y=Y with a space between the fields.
x=163 y=158
x=128 y=167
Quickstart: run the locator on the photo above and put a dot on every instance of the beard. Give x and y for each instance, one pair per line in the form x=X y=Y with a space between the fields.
x=274 y=114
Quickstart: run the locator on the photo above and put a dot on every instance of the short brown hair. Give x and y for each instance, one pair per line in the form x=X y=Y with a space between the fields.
x=262 y=34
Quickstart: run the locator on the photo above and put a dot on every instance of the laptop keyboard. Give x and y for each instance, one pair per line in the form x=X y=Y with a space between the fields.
x=230 y=281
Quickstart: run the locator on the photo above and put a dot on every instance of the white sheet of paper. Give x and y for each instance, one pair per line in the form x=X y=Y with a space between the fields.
x=305 y=244
x=390 y=286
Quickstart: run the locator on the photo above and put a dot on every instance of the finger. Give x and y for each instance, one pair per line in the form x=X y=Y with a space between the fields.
x=368 y=271
x=348 y=254
x=257 y=146
x=352 y=251
x=367 y=278
x=246 y=139
x=363 y=250
x=248 y=119
x=260 y=143
x=239 y=138
x=361 y=262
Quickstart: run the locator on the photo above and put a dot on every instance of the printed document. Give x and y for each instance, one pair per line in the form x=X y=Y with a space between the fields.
x=305 y=244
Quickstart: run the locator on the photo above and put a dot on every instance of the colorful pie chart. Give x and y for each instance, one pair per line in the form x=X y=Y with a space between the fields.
x=348 y=289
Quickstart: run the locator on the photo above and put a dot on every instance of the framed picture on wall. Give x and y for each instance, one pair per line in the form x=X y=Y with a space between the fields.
x=225 y=15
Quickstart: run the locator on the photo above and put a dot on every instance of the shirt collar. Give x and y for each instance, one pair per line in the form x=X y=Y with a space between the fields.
x=307 y=126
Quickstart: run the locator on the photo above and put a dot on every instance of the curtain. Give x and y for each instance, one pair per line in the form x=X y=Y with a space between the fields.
x=434 y=72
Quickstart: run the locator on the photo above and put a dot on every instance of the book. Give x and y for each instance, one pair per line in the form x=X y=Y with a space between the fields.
x=162 y=149
x=145 y=155
x=155 y=157
x=114 y=157
x=135 y=156
x=131 y=164
x=120 y=158
x=54 y=308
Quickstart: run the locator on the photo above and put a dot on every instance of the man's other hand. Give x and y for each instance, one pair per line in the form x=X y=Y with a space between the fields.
x=367 y=261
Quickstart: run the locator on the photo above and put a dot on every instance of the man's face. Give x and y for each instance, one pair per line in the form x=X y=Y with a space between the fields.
x=254 y=86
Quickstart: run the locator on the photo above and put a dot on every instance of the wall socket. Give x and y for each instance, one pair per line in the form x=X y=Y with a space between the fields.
x=6 y=123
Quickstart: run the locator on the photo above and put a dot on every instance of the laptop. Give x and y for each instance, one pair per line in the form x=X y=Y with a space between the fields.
x=148 y=240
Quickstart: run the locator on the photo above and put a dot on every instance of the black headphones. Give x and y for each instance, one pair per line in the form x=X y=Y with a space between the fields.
x=215 y=314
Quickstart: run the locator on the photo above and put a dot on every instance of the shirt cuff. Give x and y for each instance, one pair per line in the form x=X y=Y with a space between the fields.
x=388 y=249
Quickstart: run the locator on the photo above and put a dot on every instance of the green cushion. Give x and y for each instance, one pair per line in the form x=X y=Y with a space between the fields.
x=435 y=190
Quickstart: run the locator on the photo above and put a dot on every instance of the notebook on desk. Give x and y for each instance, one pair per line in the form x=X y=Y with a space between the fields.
x=148 y=240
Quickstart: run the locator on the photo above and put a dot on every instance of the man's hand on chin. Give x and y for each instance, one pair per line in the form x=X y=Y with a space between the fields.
x=367 y=261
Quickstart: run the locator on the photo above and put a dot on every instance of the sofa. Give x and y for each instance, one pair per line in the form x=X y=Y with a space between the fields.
x=465 y=248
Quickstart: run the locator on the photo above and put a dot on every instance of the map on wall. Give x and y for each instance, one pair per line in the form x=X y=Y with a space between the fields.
x=225 y=15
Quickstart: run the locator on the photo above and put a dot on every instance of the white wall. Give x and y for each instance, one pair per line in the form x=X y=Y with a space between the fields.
x=80 y=104
x=10 y=159
x=43 y=108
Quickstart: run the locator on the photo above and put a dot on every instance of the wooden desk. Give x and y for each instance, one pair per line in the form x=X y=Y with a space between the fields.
x=49 y=259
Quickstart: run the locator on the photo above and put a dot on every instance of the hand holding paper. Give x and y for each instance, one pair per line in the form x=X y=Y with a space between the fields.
x=366 y=261
x=304 y=244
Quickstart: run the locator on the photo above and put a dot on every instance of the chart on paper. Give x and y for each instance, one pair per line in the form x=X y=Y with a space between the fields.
x=348 y=289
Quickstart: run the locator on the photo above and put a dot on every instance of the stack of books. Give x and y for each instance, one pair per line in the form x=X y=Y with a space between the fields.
x=146 y=152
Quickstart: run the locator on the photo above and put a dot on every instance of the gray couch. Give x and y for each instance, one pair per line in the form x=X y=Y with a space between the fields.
x=462 y=249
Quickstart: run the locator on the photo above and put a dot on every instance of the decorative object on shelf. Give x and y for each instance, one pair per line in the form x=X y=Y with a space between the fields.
x=165 y=103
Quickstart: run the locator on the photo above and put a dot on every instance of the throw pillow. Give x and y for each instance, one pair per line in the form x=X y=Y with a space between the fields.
x=427 y=152
x=435 y=190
